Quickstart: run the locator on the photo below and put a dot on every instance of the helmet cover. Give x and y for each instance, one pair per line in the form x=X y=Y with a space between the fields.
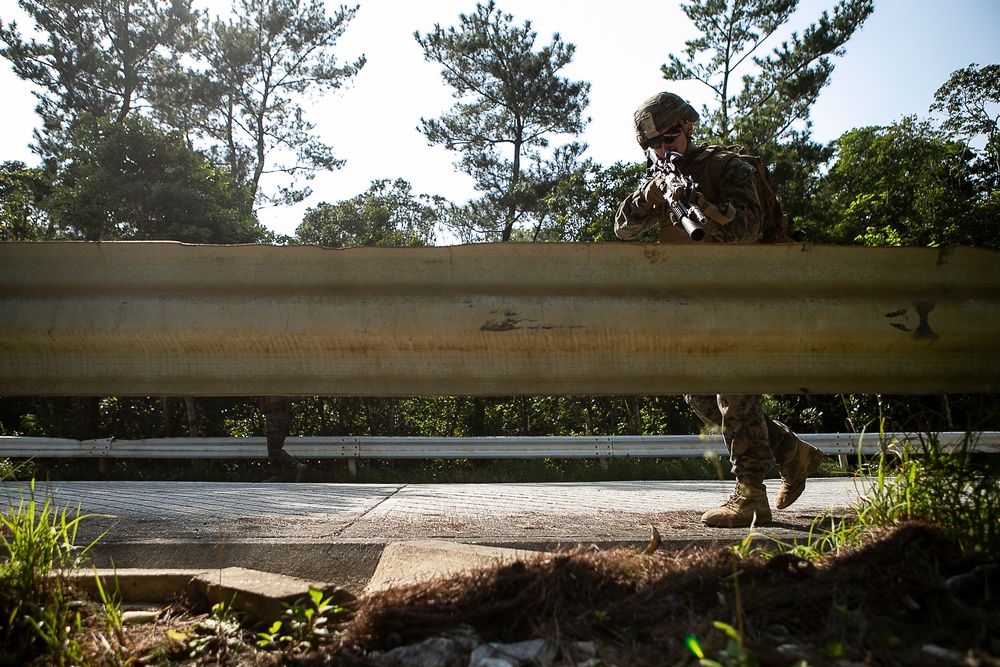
x=658 y=114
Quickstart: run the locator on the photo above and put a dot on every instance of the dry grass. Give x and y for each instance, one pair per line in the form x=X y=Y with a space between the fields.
x=878 y=604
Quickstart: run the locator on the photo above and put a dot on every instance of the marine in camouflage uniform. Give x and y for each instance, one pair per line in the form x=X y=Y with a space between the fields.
x=278 y=411
x=755 y=442
x=735 y=221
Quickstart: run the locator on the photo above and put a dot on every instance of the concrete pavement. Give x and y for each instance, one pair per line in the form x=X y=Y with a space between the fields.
x=338 y=532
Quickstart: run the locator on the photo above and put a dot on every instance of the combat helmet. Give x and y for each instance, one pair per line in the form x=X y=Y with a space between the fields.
x=658 y=113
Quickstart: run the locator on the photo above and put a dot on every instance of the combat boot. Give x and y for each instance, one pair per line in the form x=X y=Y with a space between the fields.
x=748 y=505
x=299 y=470
x=804 y=461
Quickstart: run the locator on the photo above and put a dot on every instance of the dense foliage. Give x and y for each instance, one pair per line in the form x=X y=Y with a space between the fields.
x=512 y=101
x=388 y=214
x=129 y=181
x=906 y=184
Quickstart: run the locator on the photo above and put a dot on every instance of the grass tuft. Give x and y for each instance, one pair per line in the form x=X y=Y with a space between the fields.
x=39 y=614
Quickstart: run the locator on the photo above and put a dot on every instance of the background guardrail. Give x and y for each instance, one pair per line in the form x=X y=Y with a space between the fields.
x=353 y=448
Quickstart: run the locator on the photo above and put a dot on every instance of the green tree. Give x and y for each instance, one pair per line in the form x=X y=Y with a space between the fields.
x=511 y=101
x=762 y=101
x=387 y=214
x=582 y=207
x=775 y=92
x=94 y=57
x=796 y=172
x=22 y=217
x=970 y=100
x=243 y=100
x=905 y=184
x=130 y=181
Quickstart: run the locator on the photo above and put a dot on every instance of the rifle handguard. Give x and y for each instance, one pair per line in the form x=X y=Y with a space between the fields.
x=681 y=196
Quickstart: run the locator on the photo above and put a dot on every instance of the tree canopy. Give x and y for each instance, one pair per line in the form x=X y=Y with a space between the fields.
x=244 y=97
x=761 y=100
x=512 y=100
x=387 y=214
x=130 y=181
x=232 y=89
x=94 y=58
x=21 y=216
x=905 y=184
x=970 y=98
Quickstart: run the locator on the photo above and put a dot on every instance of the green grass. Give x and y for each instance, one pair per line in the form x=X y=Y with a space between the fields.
x=39 y=615
x=956 y=491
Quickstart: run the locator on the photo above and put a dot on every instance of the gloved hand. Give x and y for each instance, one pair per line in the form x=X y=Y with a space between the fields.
x=652 y=190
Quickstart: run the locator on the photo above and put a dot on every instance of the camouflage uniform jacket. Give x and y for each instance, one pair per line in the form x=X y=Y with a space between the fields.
x=733 y=185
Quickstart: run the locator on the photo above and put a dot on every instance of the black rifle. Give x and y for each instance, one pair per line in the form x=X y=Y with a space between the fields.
x=680 y=193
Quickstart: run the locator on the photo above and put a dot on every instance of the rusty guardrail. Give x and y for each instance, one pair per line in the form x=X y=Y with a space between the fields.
x=495 y=319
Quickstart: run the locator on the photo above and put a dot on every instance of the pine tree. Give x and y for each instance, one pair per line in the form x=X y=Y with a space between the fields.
x=775 y=92
x=512 y=100
x=93 y=58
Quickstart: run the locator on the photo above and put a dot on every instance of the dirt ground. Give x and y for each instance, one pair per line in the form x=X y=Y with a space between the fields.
x=887 y=602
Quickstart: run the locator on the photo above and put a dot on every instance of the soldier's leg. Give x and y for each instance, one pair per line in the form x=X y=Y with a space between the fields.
x=744 y=430
x=278 y=410
x=706 y=407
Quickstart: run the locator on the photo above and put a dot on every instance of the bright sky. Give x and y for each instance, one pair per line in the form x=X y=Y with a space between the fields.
x=892 y=67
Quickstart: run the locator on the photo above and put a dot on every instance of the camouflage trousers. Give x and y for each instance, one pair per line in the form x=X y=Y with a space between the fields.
x=755 y=442
x=278 y=410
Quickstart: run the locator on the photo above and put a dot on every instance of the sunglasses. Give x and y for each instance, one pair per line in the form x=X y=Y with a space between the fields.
x=667 y=137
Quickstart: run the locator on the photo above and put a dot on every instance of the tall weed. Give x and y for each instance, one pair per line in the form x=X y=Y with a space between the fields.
x=38 y=614
x=954 y=489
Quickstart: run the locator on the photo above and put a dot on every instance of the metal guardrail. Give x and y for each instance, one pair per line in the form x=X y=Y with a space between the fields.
x=351 y=447
x=153 y=319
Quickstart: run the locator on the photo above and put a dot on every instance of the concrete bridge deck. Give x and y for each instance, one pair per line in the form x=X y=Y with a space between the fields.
x=337 y=532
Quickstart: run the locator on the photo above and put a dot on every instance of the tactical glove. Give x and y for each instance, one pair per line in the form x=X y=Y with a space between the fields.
x=652 y=191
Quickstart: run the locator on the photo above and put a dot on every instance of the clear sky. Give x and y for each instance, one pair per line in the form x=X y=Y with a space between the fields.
x=892 y=67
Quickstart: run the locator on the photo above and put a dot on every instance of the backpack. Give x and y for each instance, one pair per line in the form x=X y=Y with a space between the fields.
x=776 y=225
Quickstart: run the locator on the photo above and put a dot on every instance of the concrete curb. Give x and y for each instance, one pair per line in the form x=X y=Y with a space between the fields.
x=266 y=595
x=415 y=561
x=262 y=595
